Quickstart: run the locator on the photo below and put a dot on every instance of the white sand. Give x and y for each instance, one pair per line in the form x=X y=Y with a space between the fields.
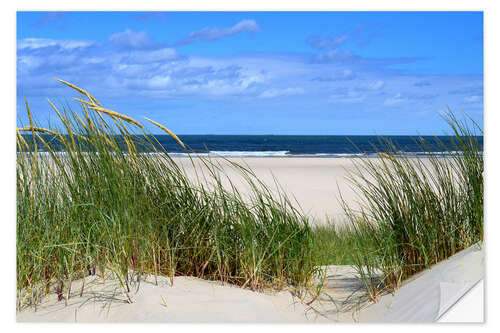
x=191 y=299
x=423 y=298
x=313 y=182
x=188 y=300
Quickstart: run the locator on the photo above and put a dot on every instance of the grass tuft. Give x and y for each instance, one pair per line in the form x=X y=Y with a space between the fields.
x=104 y=206
x=416 y=212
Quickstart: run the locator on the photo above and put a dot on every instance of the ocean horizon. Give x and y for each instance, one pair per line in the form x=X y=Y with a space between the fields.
x=214 y=145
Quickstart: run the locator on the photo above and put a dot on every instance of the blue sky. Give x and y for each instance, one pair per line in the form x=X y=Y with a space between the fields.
x=258 y=72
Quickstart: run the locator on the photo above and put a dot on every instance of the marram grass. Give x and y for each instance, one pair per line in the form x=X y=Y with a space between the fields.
x=97 y=209
x=416 y=212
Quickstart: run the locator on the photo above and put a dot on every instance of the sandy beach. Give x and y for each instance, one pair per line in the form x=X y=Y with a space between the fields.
x=314 y=183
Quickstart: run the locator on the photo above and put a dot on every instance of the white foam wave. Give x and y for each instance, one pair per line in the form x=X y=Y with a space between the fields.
x=280 y=153
x=283 y=153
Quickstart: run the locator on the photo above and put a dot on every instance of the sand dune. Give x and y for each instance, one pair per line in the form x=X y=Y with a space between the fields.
x=423 y=298
x=313 y=182
x=187 y=300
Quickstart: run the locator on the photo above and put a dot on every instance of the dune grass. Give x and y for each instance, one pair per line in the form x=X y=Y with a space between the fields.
x=103 y=206
x=416 y=212
x=114 y=202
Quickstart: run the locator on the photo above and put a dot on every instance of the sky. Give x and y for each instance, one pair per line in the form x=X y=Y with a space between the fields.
x=324 y=73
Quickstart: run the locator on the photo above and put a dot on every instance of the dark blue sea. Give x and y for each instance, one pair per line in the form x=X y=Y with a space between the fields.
x=306 y=145
x=294 y=145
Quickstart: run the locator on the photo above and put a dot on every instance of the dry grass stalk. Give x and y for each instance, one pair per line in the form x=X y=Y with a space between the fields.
x=86 y=104
x=116 y=114
x=20 y=138
x=33 y=134
x=80 y=90
x=386 y=156
x=168 y=131
x=36 y=129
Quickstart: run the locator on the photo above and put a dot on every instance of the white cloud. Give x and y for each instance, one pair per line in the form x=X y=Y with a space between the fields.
x=473 y=99
x=377 y=85
x=318 y=42
x=131 y=39
x=161 y=55
x=159 y=82
x=216 y=33
x=36 y=43
x=361 y=33
x=334 y=55
x=271 y=93
x=347 y=97
x=396 y=100
x=161 y=72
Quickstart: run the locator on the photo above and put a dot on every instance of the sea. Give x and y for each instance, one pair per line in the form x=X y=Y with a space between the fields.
x=320 y=146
